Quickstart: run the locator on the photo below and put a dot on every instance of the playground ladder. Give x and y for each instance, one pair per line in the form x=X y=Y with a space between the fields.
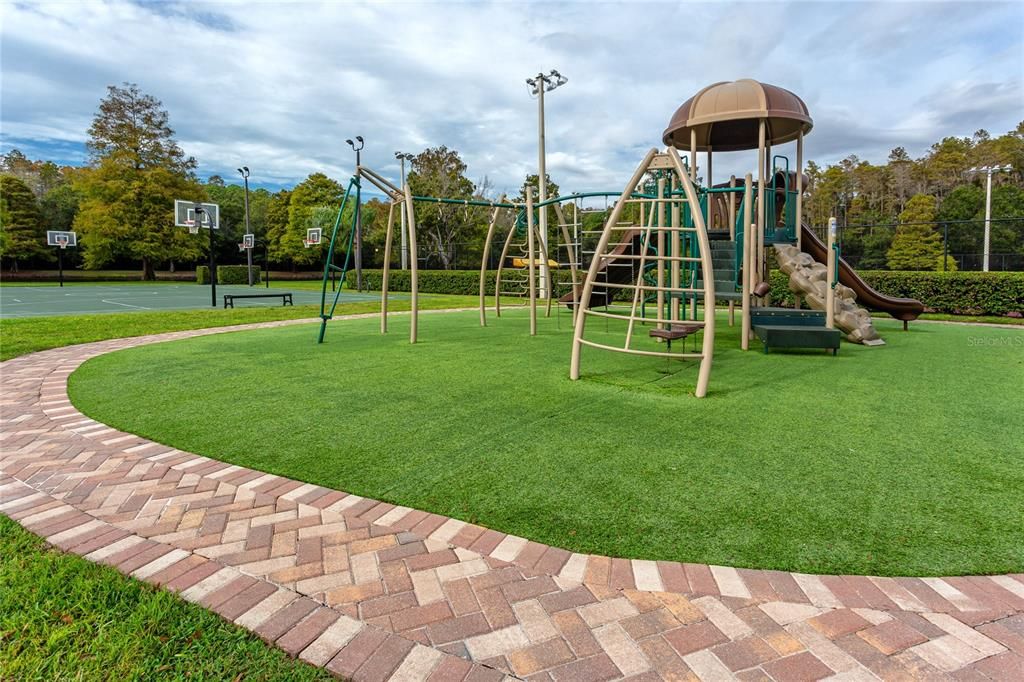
x=666 y=229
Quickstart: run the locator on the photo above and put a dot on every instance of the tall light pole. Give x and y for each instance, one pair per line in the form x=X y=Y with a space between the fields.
x=358 y=216
x=405 y=244
x=988 y=171
x=540 y=84
x=244 y=170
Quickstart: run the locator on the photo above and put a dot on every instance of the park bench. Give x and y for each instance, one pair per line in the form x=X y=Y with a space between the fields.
x=229 y=299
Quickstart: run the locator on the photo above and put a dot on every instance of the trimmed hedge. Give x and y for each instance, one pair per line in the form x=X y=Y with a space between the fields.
x=95 y=276
x=458 y=282
x=953 y=293
x=228 y=274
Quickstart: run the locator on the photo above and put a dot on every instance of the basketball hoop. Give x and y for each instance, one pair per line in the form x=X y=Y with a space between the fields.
x=62 y=242
x=193 y=226
x=241 y=246
x=313 y=236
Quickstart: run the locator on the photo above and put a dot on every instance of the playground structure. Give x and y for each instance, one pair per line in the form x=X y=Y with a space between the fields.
x=672 y=245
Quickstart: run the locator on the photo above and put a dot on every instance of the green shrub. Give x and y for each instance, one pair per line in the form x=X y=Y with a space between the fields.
x=95 y=276
x=228 y=274
x=954 y=293
x=458 y=282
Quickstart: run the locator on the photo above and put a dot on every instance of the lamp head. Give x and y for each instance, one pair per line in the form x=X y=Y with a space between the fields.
x=246 y=169
x=359 y=138
x=351 y=143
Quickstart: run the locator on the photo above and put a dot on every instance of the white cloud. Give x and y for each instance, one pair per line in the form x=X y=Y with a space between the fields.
x=279 y=86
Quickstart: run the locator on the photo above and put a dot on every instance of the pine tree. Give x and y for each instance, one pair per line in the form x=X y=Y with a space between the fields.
x=916 y=246
x=22 y=233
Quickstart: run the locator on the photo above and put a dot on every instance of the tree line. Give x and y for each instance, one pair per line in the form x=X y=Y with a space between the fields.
x=121 y=202
x=895 y=216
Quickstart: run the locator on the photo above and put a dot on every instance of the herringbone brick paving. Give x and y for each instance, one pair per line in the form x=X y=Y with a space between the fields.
x=374 y=591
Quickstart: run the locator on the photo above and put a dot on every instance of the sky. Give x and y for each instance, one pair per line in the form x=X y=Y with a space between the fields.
x=279 y=86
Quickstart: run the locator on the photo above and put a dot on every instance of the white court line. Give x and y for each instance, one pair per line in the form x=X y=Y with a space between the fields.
x=126 y=305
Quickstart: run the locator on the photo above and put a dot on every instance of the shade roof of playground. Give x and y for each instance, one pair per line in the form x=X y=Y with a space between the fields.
x=725 y=117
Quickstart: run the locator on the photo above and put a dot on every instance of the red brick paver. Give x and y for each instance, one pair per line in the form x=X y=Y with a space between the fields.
x=371 y=591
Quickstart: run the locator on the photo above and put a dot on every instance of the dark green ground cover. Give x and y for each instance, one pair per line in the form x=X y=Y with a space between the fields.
x=902 y=460
x=65 y=618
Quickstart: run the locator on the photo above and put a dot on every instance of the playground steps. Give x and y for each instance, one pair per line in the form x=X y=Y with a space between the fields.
x=723 y=260
x=790 y=328
x=797 y=336
x=787 y=316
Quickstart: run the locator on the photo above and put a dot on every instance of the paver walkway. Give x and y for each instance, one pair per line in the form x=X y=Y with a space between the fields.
x=372 y=591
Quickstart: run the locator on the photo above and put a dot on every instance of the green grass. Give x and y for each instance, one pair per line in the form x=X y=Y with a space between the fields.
x=27 y=335
x=65 y=618
x=902 y=460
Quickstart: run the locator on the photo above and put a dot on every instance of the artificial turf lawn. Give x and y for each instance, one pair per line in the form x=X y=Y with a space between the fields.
x=906 y=459
x=65 y=618
x=19 y=336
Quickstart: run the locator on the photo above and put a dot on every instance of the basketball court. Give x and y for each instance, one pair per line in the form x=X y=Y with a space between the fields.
x=88 y=299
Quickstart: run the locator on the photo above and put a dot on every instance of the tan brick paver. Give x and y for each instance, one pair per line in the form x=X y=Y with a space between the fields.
x=370 y=590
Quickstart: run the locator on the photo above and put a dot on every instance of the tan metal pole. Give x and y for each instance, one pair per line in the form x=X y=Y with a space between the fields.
x=732 y=209
x=570 y=250
x=830 y=293
x=708 y=347
x=799 y=189
x=693 y=163
x=542 y=183
x=595 y=264
x=414 y=303
x=545 y=268
x=708 y=220
x=661 y=251
x=676 y=251
x=748 y=275
x=759 y=233
x=501 y=265
x=387 y=270
x=530 y=256
x=483 y=264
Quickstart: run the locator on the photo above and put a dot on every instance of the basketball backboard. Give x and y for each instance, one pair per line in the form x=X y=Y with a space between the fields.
x=313 y=236
x=185 y=214
x=61 y=238
x=248 y=241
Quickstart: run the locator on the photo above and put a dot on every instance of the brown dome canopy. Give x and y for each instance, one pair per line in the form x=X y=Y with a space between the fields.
x=725 y=117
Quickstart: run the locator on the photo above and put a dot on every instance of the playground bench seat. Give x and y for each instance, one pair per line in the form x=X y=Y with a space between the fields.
x=229 y=299
x=674 y=332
